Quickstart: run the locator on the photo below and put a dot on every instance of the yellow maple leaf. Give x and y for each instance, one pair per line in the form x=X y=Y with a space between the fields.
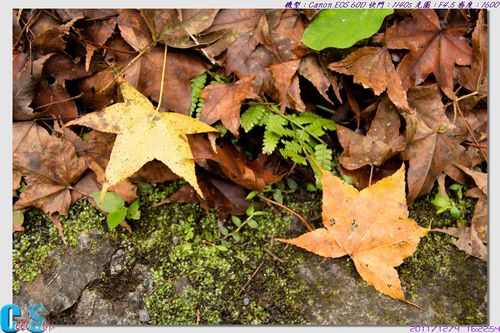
x=144 y=134
x=371 y=226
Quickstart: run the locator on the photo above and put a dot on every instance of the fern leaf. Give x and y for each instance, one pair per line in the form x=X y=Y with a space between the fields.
x=270 y=142
x=251 y=117
x=292 y=150
x=323 y=156
x=197 y=85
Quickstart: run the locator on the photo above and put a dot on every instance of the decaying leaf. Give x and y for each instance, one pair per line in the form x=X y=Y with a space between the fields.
x=475 y=78
x=287 y=84
x=25 y=80
x=311 y=69
x=468 y=241
x=144 y=134
x=27 y=137
x=381 y=142
x=376 y=242
x=433 y=49
x=253 y=175
x=49 y=175
x=373 y=68
x=435 y=144
x=233 y=23
x=223 y=102
x=178 y=27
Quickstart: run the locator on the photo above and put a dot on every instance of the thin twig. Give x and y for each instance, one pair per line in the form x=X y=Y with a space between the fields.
x=164 y=68
x=457 y=107
x=371 y=175
x=273 y=255
x=212 y=60
x=133 y=61
x=251 y=277
x=308 y=226
x=57 y=102
x=26 y=26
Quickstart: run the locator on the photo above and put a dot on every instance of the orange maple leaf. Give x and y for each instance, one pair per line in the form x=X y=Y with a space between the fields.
x=371 y=226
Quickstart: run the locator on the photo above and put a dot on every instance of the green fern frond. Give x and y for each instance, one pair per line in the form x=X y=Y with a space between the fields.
x=197 y=85
x=323 y=156
x=270 y=142
x=251 y=117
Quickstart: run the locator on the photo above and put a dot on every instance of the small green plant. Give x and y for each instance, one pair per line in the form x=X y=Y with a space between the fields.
x=250 y=213
x=296 y=136
x=114 y=205
x=443 y=203
x=342 y=28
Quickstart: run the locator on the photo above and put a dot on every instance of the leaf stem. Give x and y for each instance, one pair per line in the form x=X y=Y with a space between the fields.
x=164 y=68
x=308 y=226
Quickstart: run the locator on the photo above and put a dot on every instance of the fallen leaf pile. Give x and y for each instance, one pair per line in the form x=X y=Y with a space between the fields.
x=371 y=226
x=415 y=92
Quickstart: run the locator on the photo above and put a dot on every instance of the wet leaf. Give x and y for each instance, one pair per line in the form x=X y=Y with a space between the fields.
x=376 y=243
x=434 y=48
x=144 y=134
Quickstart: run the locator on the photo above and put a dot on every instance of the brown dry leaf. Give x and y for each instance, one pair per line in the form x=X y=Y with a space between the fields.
x=48 y=34
x=26 y=78
x=468 y=241
x=287 y=84
x=223 y=102
x=51 y=96
x=27 y=137
x=49 y=176
x=311 y=69
x=177 y=27
x=284 y=32
x=224 y=196
x=248 y=56
x=381 y=142
x=433 y=49
x=154 y=172
x=69 y=14
x=252 y=175
x=373 y=68
x=233 y=23
x=375 y=242
x=133 y=29
x=435 y=144
x=475 y=78
x=181 y=68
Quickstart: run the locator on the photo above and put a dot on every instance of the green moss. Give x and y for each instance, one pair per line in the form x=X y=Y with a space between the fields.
x=31 y=247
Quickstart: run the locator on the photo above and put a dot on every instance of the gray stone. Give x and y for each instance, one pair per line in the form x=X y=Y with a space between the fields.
x=119 y=261
x=99 y=307
x=341 y=297
x=66 y=273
